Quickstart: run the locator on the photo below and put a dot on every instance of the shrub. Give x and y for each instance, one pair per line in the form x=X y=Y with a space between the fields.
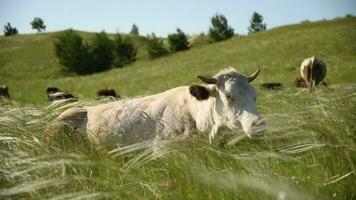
x=156 y=47
x=178 y=41
x=38 y=24
x=9 y=30
x=125 y=50
x=101 y=53
x=72 y=52
x=220 y=30
x=257 y=24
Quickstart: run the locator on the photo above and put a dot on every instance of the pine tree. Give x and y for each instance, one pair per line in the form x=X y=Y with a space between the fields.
x=101 y=52
x=220 y=30
x=38 y=24
x=134 y=30
x=72 y=52
x=156 y=47
x=178 y=41
x=9 y=30
x=125 y=50
x=257 y=24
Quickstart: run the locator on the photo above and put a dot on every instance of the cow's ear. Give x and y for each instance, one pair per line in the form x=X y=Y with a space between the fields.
x=199 y=92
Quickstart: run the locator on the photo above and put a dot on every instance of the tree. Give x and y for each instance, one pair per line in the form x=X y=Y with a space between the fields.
x=72 y=52
x=101 y=52
x=178 y=41
x=125 y=50
x=134 y=30
x=257 y=24
x=38 y=24
x=156 y=47
x=9 y=30
x=220 y=30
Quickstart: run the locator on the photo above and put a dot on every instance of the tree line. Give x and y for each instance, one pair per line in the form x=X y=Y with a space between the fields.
x=104 y=53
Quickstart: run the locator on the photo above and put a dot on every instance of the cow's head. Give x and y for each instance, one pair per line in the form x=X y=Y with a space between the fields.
x=235 y=99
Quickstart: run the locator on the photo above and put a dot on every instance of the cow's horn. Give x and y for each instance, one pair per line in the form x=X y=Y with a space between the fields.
x=207 y=80
x=254 y=75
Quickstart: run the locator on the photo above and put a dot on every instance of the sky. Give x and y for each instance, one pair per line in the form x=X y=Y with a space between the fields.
x=164 y=16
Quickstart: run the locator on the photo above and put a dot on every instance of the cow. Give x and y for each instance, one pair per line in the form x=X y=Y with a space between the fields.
x=313 y=71
x=225 y=100
x=300 y=82
x=272 y=86
x=54 y=94
x=4 y=91
x=107 y=93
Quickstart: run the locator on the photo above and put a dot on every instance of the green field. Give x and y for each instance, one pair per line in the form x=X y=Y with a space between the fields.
x=307 y=151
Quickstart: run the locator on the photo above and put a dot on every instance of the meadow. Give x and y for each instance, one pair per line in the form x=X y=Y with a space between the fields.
x=307 y=151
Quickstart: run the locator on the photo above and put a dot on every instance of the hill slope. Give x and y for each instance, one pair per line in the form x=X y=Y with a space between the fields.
x=28 y=64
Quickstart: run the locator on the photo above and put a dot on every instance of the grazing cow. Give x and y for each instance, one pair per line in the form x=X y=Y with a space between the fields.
x=272 y=86
x=107 y=93
x=4 y=91
x=300 y=82
x=227 y=100
x=312 y=71
x=55 y=94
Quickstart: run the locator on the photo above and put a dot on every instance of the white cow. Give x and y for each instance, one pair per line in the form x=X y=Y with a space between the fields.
x=227 y=100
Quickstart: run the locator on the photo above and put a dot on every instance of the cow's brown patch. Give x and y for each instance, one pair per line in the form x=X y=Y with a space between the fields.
x=199 y=92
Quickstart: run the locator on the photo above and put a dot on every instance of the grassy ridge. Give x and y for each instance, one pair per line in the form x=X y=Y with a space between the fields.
x=28 y=63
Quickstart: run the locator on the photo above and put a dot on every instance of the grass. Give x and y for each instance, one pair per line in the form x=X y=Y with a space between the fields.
x=307 y=151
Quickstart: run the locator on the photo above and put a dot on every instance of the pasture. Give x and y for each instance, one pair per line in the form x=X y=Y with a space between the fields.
x=307 y=151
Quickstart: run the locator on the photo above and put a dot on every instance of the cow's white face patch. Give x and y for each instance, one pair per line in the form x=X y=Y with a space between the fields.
x=238 y=99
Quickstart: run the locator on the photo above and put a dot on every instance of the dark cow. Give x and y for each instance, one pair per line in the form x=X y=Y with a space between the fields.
x=272 y=86
x=4 y=91
x=107 y=93
x=55 y=94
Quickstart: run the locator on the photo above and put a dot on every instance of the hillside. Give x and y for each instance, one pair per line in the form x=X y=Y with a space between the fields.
x=28 y=64
x=305 y=152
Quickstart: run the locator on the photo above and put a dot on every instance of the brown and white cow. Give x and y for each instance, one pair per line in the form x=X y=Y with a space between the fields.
x=226 y=100
x=54 y=94
x=313 y=71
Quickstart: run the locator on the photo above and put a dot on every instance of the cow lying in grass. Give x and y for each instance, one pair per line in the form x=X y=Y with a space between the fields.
x=54 y=94
x=227 y=100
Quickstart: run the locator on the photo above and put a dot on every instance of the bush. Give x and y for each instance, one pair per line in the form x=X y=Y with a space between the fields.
x=72 y=52
x=220 y=29
x=178 y=41
x=101 y=53
x=156 y=47
x=125 y=50
x=9 y=30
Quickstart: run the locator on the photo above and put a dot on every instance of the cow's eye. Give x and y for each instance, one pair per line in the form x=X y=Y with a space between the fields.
x=230 y=98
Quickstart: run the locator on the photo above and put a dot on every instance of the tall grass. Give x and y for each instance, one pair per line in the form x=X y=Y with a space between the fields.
x=307 y=152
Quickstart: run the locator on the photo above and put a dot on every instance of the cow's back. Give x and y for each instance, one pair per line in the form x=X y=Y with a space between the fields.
x=137 y=119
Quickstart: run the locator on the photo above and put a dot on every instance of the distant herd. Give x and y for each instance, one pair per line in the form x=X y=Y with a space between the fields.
x=312 y=73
